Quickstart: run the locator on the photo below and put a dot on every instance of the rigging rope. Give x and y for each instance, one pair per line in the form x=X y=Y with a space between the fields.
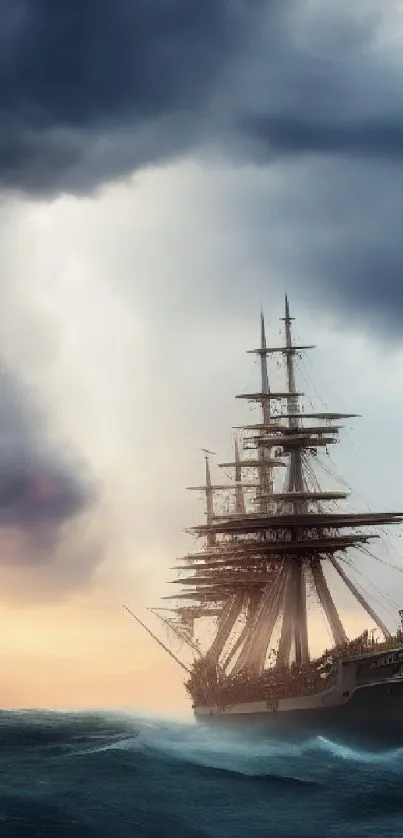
x=368 y=594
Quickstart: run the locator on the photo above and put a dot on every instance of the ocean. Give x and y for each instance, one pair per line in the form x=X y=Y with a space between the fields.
x=105 y=775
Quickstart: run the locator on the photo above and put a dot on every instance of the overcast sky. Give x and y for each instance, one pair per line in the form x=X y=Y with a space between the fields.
x=166 y=169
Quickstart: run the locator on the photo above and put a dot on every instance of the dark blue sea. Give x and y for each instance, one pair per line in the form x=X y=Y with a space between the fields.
x=86 y=775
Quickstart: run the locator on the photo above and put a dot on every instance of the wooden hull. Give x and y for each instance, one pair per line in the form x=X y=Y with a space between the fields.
x=371 y=716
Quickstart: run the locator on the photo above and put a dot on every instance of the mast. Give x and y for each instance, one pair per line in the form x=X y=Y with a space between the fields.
x=265 y=471
x=209 y=494
x=295 y=484
x=259 y=559
x=240 y=507
x=209 y=501
x=293 y=404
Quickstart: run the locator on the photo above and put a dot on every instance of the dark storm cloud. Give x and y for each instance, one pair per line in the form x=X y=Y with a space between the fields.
x=76 y=76
x=93 y=90
x=43 y=490
x=290 y=135
x=328 y=230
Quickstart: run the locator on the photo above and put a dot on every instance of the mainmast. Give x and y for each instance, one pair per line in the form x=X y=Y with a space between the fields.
x=289 y=351
x=295 y=621
x=295 y=476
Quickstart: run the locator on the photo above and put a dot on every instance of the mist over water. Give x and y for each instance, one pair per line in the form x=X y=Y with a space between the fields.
x=110 y=775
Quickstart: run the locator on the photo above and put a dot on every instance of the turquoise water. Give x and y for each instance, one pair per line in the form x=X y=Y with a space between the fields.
x=98 y=775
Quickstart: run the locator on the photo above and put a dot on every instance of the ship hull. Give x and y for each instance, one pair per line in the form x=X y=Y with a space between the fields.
x=372 y=717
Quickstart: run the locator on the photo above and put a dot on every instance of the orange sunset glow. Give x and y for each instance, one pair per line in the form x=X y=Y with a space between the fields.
x=89 y=653
x=84 y=654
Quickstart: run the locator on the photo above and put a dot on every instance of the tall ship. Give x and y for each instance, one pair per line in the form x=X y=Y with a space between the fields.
x=273 y=545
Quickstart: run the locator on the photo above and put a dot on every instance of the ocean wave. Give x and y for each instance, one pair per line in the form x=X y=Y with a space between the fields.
x=111 y=774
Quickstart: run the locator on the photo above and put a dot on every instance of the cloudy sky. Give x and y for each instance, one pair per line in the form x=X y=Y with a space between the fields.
x=167 y=168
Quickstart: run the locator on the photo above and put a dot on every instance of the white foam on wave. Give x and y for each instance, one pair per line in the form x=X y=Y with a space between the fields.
x=254 y=756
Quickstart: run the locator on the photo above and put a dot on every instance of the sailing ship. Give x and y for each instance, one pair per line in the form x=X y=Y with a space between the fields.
x=267 y=563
